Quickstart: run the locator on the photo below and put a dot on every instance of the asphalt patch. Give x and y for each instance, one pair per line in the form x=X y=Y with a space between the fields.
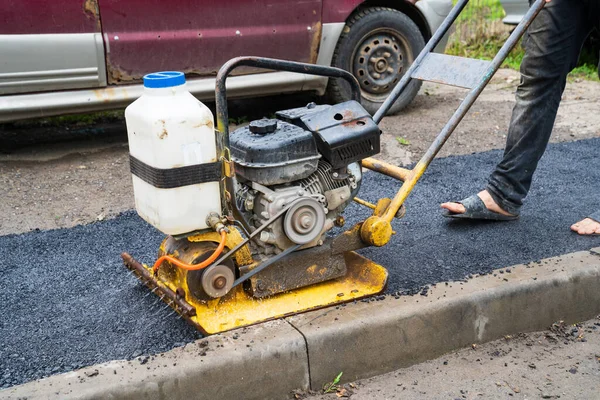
x=68 y=302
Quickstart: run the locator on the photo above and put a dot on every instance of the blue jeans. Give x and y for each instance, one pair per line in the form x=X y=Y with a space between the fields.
x=552 y=45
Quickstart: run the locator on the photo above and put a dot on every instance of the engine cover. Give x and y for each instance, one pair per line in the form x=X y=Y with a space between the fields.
x=272 y=152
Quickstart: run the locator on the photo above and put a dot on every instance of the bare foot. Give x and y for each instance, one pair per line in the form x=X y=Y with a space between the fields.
x=586 y=227
x=489 y=202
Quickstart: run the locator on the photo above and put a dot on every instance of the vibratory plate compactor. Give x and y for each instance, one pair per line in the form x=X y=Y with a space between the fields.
x=248 y=213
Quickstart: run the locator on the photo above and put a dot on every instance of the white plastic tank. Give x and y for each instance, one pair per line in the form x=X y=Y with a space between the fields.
x=169 y=129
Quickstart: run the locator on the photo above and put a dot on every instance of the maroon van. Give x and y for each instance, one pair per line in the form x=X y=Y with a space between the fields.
x=67 y=56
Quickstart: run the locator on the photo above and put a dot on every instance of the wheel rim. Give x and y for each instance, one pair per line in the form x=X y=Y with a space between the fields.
x=379 y=62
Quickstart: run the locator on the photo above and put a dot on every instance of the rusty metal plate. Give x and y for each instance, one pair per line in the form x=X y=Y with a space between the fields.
x=298 y=269
x=452 y=70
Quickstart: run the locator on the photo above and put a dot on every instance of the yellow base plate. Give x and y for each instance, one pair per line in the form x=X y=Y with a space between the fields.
x=238 y=308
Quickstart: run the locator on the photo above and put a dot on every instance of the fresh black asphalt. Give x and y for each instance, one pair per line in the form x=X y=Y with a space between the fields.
x=68 y=302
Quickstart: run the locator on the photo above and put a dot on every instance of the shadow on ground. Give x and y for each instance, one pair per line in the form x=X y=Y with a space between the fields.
x=108 y=127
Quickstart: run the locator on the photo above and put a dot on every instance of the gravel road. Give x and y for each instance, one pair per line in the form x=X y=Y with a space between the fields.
x=68 y=301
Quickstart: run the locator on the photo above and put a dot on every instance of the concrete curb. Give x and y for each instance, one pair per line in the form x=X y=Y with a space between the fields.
x=369 y=339
x=263 y=362
x=363 y=339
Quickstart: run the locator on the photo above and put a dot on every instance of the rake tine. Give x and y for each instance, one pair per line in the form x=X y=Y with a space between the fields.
x=158 y=300
x=150 y=292
x=160 y=309
x=155 y=302
x=132 y=274
x=127 y=286
x=169 y=304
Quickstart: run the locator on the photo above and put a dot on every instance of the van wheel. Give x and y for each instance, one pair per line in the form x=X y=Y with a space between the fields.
x=377 y=46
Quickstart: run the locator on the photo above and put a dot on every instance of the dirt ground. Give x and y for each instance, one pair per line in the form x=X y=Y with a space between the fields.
x=63 y=184
x=563 y=362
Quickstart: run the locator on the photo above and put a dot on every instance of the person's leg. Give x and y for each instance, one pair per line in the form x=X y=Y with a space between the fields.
x=552 y=47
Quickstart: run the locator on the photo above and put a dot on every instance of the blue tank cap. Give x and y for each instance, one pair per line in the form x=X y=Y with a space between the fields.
x=164 y=79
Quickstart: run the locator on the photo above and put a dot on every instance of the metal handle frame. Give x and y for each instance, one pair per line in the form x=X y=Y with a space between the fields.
x=229 y=203
x=411 y=177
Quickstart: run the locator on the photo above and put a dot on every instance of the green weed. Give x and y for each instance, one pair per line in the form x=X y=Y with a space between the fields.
x=403 y=141
x=333 y=385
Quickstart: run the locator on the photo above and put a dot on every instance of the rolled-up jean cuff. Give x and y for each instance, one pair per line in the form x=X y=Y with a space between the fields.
x=595 y=216
x=505 y=205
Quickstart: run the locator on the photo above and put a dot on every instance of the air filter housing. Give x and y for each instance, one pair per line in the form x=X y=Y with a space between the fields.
x=345 y=133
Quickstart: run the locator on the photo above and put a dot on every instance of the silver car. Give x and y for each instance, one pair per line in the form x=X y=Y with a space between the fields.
x=515 y=10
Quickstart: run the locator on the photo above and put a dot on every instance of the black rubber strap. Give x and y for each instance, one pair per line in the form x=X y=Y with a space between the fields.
x=176 y=177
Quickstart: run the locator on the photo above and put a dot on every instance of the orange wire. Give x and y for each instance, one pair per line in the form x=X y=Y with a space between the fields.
x=193 y=267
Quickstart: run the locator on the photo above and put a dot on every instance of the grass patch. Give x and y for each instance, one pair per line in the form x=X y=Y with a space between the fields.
x=586 y=71
x=479 y=33
x=485 y=47
x=487 y=9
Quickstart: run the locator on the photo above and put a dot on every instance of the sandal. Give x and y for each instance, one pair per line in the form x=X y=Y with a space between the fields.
x=476 y=209
x=595 y=216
